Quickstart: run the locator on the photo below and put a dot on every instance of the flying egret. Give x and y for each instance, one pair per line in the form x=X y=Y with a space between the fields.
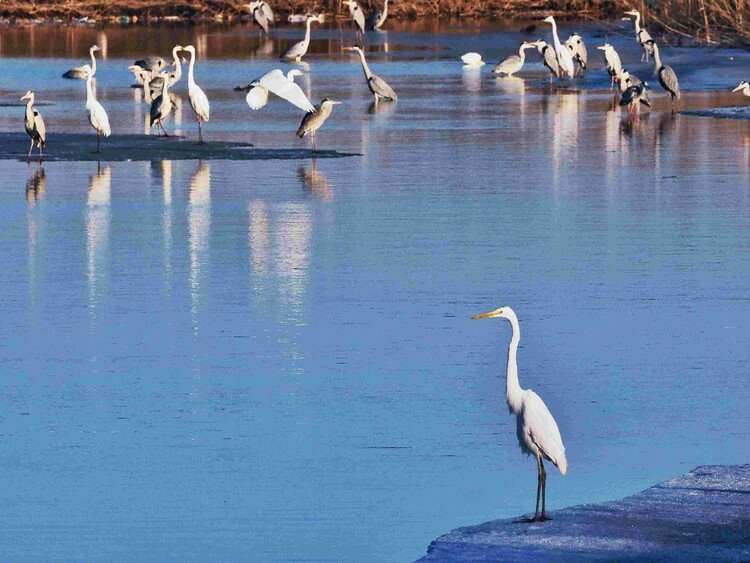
x=578 y=50
x=198 y=98
x=357 y=15
x=633 y=95
x=564 y=57
x=537 y=431
x=161 y=107
x=377 y=85
x=283 y=86
x=298 y=50
x=97 y=116
x=472 y=59
x=612 y=61
x=315 y=119
x=34 y=125
x=667 y=77
x=377 y=19
x=514 y=63
x=549 y=59
x=262 y=14
x=743 y=87
x=79 y=72
x=643 y=36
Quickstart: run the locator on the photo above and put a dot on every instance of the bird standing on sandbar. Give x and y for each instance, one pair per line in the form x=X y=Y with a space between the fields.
x=97 y=116
x=198 y=98
x=34 y=125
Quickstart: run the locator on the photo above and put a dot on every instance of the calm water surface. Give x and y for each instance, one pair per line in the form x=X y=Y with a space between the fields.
x=273 y=360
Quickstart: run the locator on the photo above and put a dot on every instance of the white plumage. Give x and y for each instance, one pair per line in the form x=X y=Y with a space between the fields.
x=472 y=59
x=564 y=56
x=198 y=98
x=283 y=86
x=97 y=116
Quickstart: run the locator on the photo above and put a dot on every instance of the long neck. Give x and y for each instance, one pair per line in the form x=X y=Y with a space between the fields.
x=657 y=58
x=522 y=53
x=638 y=23
x=513 y=389
x=745 y=90
x=190 y=68
x=555 y=38
x=385 y=11
x=29 y=109
x=89 y=89
x=93 y=61
x=307 y=33
x=366 y=68
x=177 y=65
x=164 y=87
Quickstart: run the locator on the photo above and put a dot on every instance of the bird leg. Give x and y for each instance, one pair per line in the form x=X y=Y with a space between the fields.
x=312 y=139
x=31 y=146
x=40 y=152
x=98 y=136
x=200 y=132
x=162 y=128
x=540 y=469
x=544 y=490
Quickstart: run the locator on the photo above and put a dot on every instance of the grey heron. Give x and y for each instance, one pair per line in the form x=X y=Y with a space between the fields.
x=198 y=99
x=377 y=85
x=151 y=63
x=97 y=116
x=161 y=106
x=627 y=80
x=633 y=95
x=564 y=58
x=667 y=77
x=472 y=59
x=79 y=72
x=283 y=86
x=537 y=431
x=514 y=63
x=153 y=81
x=612 y=62
x=743 y=87
x=357 y=15
x=578 y=50
x=377 y=19
x=642 y=36
x=34 y=125
x=262 y=14
x=298 y=50
x=315 y=119
x=549 y=59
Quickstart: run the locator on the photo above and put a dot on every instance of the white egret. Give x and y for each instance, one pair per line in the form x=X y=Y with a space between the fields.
x=357 y=15
x=564 y=57
x=537 y=431
x=298 y=50
x=283 y=86
x=97 y=116
x=79 y=72
x=198 y=98
x=472 y=59
x=34 y=125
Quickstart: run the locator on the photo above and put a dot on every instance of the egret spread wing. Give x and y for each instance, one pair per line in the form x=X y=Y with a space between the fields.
x=541 y=427
x=276 y=82
x=257 y=97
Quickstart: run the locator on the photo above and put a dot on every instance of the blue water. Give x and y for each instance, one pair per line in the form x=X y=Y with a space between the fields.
x=273 y=360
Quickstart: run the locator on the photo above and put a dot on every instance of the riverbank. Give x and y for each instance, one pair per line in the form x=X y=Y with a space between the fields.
x=702 y=515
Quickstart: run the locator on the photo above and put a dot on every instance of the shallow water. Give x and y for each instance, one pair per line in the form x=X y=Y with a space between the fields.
x=274 y=359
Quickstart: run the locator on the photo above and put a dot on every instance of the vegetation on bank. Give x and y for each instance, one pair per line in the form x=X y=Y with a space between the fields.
x=708 y=21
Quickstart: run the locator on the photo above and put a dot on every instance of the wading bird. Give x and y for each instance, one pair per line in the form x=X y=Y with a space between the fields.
x=161 y=107
x=514 y=63
x=34 y=125
x=79 y=71
x=632 y=96
x=612 y=62
x=283 y=86
x=642 y=36
x=198 y=99
x=743 y=87
x=377 y=85
x=97 y=116
x=377 y=19
x=578 y=50
x=151 y=63
x=315 y=119
x=537 y=431
x=357 y=15
x=262 y=14
x=667 y=77
x=298 y=50
x=627 y=80
x=564 y=58
x=549 y=59
x=472 y=59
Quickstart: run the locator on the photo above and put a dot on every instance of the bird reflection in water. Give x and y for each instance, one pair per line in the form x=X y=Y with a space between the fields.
x=471 y=77
x=36 y=185
x=514 y=87
x=199 y=227
x=564 y=129
x=259 y=243
x=315 y=181
x=35 y=188
x=97 y=234
x=167 y=213
x=264 y=49
x=382 y=110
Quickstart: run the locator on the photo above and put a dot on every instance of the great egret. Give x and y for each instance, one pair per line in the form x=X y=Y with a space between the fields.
x=262 y=14
x=315 y=119
x=667 y=77
x=97 y=116
x=298 y=50
x=377 y=19
x=79 y=72
x=34 y=125
x=198 y=99
x=537 y=431
x=513 y=63
x=161 y=107
x=283 y=86
x=612 y=62
x=472 y=59
x=357 y=15
x=549 y=59
x=633 y=95
x=578 y=49
x=377 y=85
x=564 y=58
x=743 y=87
x=642 y=36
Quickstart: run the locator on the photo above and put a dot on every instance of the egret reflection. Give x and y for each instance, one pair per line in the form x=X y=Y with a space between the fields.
x=199 y=226
x=97 y=234
x=167 y=218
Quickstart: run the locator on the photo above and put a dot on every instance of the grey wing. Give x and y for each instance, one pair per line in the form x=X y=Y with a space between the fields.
x=508 y=65
x=155 y=111
x=668 y=80
x=381 y=88
x=293 y=52
x=635 y=81
x=358 y=15
x=260 y=19
x=268 y=12
x=629 y=95
x=40 y=127
x=305 y=126
x=551 y=60
x=583 y=55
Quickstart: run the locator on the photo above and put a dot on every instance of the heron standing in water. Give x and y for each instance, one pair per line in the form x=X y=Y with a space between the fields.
x=315 y=119
x=578 y=50
x=549 y=59
x=536 y=429
x=299 y=50
x=34 y=125
x=262 y=14
x=612 y=62
x=357 y=15
x=512 y=64
x=667 y=77
x=377 y=85
x=633 y=95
